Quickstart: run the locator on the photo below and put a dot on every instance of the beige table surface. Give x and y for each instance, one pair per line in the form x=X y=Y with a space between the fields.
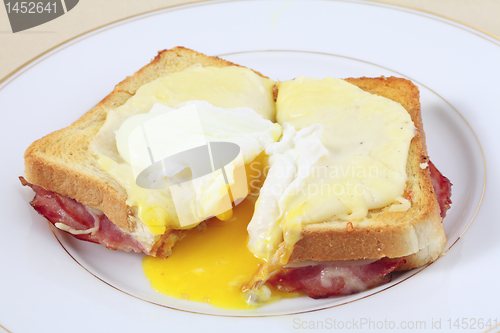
x=16 y=49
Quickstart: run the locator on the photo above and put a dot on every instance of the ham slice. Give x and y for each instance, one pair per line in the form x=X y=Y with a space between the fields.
x=73 y=217
x=325 y=280
x=442 y=188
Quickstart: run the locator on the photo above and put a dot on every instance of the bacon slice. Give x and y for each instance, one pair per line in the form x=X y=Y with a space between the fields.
x=442 y=188
x=60 y=209
x=325 y=280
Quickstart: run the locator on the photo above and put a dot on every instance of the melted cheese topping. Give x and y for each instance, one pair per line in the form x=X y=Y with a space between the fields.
x=367 y=138
x=227 y=87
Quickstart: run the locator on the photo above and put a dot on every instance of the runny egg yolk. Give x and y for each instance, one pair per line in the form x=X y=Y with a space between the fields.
x=209 y=266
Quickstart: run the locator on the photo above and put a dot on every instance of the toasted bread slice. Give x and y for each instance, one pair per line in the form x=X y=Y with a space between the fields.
x=63 y=162
x=417 y=234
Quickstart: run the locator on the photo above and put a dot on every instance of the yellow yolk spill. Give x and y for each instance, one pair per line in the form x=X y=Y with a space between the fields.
x=209 y=266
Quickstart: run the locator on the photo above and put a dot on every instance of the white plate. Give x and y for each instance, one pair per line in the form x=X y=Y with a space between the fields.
x=455 y=67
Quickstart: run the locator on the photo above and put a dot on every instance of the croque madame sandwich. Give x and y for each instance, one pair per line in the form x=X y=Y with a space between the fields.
x=350 y=194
